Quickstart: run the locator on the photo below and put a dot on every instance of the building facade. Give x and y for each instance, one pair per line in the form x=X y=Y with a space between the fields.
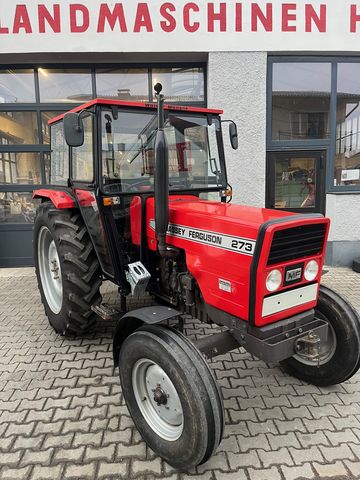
x=287 y=74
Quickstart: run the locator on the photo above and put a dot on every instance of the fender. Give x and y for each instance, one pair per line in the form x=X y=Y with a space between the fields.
x=59 y=198
x=129 y=322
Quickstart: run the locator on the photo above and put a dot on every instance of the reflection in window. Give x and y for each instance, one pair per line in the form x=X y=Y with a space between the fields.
x=126 y=84
x=82 y=157
x=301 y=101
x=17 y=207
x=45 y=127
x=47 y=166
x=17 y=86
x=67 y=85
x=347 y=160
x=17 y=128
x=128 y=151
x=295 y=182
x=59 y=168
x=20 y=168
x=181 y=84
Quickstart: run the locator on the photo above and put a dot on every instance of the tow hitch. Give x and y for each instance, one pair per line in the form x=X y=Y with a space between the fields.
x=308 y=347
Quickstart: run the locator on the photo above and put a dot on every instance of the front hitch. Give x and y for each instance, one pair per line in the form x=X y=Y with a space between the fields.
x=308 y=347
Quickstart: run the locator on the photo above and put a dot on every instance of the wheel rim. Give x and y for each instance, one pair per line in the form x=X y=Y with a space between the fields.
x=50 y=270
x=327 y=348
x=158 y=399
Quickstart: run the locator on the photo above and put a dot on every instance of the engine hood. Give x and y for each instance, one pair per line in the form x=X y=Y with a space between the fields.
x=211 y=223
x=220 y=242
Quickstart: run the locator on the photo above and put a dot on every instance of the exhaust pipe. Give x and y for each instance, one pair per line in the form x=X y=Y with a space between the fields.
x=161 y=180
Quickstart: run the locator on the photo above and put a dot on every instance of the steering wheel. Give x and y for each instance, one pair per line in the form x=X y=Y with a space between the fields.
x=129 y=187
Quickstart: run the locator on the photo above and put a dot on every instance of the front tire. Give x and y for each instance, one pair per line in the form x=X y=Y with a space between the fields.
x=67 y=269
x=172 y=396
x=340 y=360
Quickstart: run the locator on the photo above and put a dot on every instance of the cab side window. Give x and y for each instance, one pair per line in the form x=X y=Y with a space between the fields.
x=82 y=157
x=59 y=166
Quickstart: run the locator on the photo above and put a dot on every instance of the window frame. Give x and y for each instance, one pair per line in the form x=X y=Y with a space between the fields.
x=330 y=143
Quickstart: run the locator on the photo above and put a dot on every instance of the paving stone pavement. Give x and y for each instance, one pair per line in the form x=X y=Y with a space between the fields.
x=62 y=415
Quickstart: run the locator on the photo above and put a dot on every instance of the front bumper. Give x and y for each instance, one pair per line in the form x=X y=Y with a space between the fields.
x=277 y=341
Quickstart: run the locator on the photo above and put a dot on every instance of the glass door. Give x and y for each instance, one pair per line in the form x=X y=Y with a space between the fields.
x=296 y=181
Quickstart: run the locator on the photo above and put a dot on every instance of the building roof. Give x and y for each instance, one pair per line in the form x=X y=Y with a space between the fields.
x=120 y=103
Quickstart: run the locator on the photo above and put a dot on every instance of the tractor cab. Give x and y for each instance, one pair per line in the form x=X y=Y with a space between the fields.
x=104 y=154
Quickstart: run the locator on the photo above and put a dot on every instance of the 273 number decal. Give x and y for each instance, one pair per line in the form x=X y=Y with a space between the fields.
x=242 y=246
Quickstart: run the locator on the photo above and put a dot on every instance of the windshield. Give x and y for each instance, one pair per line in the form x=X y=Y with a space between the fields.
x=128 y=159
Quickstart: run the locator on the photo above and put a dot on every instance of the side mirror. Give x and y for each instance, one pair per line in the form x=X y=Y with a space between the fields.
x=73 y=129
x=234 y=140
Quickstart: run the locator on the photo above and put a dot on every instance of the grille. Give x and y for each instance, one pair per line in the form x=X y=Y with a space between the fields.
x=297 y=242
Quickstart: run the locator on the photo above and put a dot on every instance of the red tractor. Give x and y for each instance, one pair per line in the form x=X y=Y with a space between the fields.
x=129 y=202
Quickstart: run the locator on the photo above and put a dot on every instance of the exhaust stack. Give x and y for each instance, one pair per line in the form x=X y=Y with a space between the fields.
x=161 y=180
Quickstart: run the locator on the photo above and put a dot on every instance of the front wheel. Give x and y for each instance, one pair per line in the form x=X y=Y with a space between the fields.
x=340 y=354
x=172 y=396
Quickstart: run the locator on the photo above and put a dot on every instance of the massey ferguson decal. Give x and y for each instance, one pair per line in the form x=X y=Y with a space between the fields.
x=245 y=246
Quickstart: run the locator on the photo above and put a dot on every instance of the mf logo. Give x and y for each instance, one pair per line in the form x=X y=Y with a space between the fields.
x=293 y=275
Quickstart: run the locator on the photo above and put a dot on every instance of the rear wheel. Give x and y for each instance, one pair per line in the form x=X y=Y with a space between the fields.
x=67 y=269
x=340 y=354
x=172 y=396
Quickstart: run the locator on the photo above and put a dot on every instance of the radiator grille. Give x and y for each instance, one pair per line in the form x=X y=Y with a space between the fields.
x=297 y=242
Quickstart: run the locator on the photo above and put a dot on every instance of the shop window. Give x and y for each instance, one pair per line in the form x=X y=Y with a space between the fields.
x=347 y=158
x=66 y=85
x=59 y=168
x=126 y=84
x=45 y=127
x=17 y=86
x=20 y=168
x=301 y=101
x=296 y=181
x=181 y=84
x=82 y=157
x=17 y=128
x=17 y=207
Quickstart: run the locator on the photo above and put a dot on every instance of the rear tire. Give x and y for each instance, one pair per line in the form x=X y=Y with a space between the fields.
x=67 y=269
x=158 y=364
x=342 y=360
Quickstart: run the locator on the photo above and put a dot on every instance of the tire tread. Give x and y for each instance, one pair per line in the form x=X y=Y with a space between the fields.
x=80 y=269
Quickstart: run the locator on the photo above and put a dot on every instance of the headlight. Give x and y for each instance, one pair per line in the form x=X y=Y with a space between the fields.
x=273 y=280
x=311 y=270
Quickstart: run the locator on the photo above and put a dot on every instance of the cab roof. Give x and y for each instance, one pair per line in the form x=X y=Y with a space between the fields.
x=120 y=103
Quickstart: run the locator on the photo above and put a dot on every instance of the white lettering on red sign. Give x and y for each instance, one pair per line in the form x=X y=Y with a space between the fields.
x=245 y=246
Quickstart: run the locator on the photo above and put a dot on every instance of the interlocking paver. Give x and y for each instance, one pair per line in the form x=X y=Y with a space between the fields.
x=111 y=470
x=294 y=473
x=264 y=474
x=335 y=470
x=62 y=414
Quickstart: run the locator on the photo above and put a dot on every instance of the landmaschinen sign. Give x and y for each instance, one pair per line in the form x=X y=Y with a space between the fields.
x=130 y=26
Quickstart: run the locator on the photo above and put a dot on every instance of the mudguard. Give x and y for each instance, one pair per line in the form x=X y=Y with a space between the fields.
x=59 y=198
x=129 y=322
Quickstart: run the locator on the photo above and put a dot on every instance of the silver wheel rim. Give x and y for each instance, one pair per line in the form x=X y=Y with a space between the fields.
x=327 y=349
x=157 y=399
x=50 y=270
